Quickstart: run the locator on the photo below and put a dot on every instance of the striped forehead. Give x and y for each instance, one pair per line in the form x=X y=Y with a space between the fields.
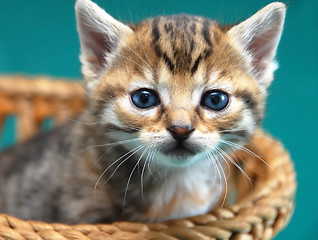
x=182 y=41
x=179 y=50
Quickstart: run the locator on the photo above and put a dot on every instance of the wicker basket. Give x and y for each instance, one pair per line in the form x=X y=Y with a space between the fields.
x=259 y=212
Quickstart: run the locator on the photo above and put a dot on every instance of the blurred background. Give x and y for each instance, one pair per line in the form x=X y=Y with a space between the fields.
x=39 y=37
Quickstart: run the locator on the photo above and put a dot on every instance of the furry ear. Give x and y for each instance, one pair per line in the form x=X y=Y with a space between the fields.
x=258 y=36
x=100 y=35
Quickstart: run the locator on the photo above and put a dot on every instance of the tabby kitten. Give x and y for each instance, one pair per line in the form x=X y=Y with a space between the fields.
x=169 y=99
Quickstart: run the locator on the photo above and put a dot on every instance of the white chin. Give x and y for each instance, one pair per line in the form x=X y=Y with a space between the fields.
x=179 y=153
x=178 y=158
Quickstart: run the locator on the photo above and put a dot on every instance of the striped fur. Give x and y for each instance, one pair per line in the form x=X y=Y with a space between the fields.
x=123 y=162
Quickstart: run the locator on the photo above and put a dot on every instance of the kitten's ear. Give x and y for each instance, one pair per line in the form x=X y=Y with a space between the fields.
x=100 y=35
x=259 y=36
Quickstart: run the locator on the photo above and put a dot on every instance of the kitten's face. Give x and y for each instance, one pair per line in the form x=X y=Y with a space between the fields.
x=181 y=94
x=182 y=85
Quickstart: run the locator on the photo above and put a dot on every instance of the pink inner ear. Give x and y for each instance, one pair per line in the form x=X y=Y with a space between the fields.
x=263 y=49
x=98 y=46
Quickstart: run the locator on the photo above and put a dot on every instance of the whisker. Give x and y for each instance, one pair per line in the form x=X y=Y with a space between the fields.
x=217 y=164
x=272 y=139
x=239 y=158
x=151 y=157
x=217 y=149
x=83 y=123
x=237 y=146
x=103 y=155
x=210 y=157
x=231 y=130
x=147 y=160
x=217 y=170
x=133 y=151
x=122 y=162
x=236 y=165
x=143 y=172
x=111 y=144
x=225 y=182
x=130 y=126
x=155 y=160
x=130 y=176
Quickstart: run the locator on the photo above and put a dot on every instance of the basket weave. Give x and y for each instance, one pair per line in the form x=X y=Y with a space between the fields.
x=33 y=101
x=259 y=212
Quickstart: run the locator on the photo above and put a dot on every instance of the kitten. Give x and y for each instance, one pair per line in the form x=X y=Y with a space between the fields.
x=169 y=99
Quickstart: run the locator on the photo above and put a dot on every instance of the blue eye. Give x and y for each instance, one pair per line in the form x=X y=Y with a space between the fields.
x=215 y=100
x=145 y=98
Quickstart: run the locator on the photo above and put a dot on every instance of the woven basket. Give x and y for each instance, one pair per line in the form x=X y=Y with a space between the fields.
x=259 y=212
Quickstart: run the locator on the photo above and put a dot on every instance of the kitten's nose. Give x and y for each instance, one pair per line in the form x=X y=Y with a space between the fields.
x=180 y=133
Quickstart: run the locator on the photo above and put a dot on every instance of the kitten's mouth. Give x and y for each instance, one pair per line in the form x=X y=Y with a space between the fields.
x=180 y=151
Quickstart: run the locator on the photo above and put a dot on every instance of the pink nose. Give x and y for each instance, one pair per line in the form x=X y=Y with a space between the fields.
x=180 y=133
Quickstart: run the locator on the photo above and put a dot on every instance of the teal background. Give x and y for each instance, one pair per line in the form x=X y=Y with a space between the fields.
x=38 y=37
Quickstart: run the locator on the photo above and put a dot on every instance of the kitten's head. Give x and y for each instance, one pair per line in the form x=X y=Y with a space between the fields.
x=185 y=86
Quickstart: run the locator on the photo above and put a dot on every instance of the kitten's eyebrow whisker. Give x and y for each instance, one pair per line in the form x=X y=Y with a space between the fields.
x=144 y=51
x=134 y=52
x=133 y=61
